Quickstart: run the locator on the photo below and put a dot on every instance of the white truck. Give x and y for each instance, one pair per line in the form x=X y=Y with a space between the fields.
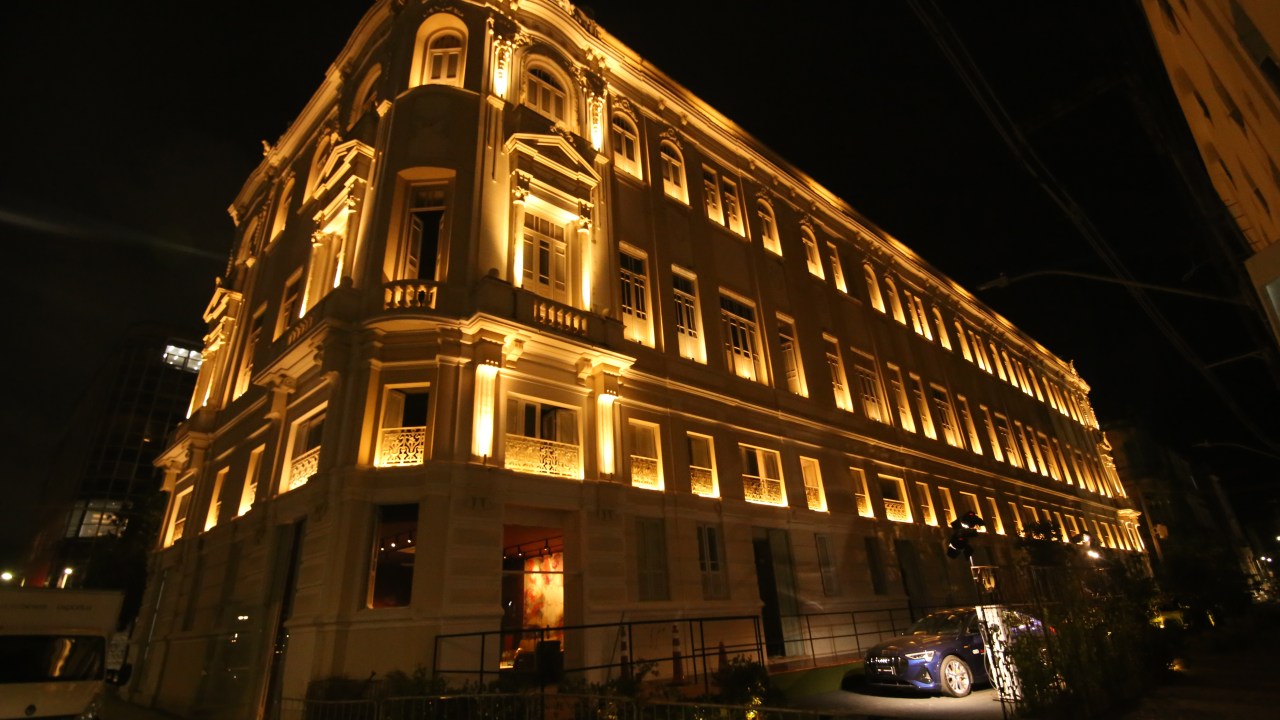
x=53 y=650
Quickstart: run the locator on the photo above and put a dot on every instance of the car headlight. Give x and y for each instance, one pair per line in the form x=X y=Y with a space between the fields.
x=925 y=655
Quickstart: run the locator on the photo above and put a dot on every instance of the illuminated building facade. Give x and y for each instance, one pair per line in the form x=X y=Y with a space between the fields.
x=1223 y=60
x=518 y=332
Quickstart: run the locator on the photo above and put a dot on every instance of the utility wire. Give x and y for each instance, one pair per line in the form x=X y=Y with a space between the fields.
x=954 y=50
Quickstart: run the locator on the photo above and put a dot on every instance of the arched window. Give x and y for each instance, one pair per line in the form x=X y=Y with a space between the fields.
x=545 y=92
x=873 y=287
x=768 y=227
x=626 y=145
x=811 y=257
x=439 y=55
x=365 y=97
x=281 y=217
x=673 y=180
x=895 y=302
x=942 y=329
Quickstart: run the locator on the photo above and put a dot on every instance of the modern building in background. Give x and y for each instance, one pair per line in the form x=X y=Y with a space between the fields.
x=105 y=486
x=519 y=333
x=1223 y=60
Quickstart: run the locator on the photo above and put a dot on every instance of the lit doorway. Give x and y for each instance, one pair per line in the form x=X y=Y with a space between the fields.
x=532 y=593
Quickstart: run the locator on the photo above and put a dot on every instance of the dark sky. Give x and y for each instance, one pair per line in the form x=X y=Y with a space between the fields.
x=131 y=126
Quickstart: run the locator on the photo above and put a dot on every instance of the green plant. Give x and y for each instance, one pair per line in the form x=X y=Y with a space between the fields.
x=743 y=681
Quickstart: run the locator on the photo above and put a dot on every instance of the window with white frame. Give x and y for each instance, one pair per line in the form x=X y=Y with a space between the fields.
x=702 y=465
x=948 y=504
x=792 y=369
x=545 y=257
x=304 y=460
x=768 y=227
x=651 y=559
x=741 y=338
x=733 y=218
x=837 y=269
x=815 y=495
x=425 y=206
x=899 y=392
x=970 y=504
x=646 y=462
x=927 y=513
x=178 y=520
x=997 y=451
x=215 y=499
x=1007 y=441
x=290 y=303
x=1017 y=518
x=395 y=545
x=711 y=195
x=402 y=439
x=994 y=521
x=626 y=145
x=995 y=359
x=967 y=426
x=897 y=508
x=545 y=93
x=895 y=301
x=964 y=342
x=827 y=565
x=762 y=475
x=253 y=470
x=869 y=389
x=1028 y=446
x=637 y=325
x=673 y=179
x=245 y=376
x=811 y=258
x=839 y=383
x=715 y=585
x=542 y=438
x=439 y=51
x=946 y=416
x=688 y=321
x=873 y=287
x=283 y=203
x=860 y=492
x=943 y=338
x=922 y=407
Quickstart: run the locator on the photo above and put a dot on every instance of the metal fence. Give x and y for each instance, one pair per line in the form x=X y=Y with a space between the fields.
x=530 y=707
x=833 y=637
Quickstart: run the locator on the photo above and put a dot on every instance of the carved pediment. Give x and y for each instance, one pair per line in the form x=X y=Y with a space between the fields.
x=554 y=153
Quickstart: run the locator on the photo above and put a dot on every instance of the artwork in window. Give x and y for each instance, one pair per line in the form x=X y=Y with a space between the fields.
x=395 y=546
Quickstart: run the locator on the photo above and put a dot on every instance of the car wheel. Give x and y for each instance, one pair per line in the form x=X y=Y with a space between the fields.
x=956 y=680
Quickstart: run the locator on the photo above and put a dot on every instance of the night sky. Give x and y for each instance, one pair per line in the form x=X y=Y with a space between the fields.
x=131 y=127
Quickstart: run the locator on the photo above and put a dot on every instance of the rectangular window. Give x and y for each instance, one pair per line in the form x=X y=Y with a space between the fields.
x=1028 y=451
x=732 y=206
x=395 y=545
x=827 y=566
x=215 y=500
x=290 y=303
x=741 y=338
x=814 y=494
x=970 y=503
x=869 y=389
x=687 y=316
x=1048 y=453
x=1007 y=441
x=249 y=493
x=927 y=512
x=711 y=195
x=875 y=566
x=711 y=563
x=425 y=227
x=839 y=384
x=762 y=476
x=900 y=397
x=402 y=439
x=651 y=559
x=837 y=271
x=922 y=407
x=996 y=451
x=305 y=459
x=791 y=368
x=545 y=257
x=924 y=318
x=994 y=521
x=181 y=507
x=946 y=416
x=542 y=439
x=860 y=492
x=646 y=464
x=897 y=507
x=966 y=418
x=245 y=375
x=1017 y=518
x=948 y=504
x=702 y=466
x=634 y=280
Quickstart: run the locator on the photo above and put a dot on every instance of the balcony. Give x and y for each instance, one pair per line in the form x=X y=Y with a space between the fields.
x=409 y=294
x=762 y=490
x=702 y=481
x=897 y=511
x=543 y=457
x=303 y=467
x=864 y=506
x=813 y=496
x=644 y=473
x=398 y=447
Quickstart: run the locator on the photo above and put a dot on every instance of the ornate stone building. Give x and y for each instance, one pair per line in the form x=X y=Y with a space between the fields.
x=517 y=332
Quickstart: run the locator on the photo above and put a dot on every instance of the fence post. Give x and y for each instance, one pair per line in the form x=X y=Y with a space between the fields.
x=677 y=665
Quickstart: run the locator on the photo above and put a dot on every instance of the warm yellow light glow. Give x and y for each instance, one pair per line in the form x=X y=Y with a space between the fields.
x=6 y=576
x=482 y=433
x=584 y=242
x=595 y=112
x=604 y=420
x=501 y=68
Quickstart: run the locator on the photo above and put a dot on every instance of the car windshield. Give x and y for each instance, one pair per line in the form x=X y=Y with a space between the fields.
x=943 y=623
x=51 y=658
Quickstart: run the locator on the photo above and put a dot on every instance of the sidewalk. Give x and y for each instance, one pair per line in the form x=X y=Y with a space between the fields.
x=1213 y=684
x=113 y=708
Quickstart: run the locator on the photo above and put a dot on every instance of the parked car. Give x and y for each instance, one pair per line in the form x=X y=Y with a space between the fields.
x=941 y=652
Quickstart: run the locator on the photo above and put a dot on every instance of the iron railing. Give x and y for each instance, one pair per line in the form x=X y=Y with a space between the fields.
x=530 y=706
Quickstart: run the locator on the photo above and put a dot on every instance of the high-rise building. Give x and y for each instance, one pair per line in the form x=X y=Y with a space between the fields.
x=519 y=333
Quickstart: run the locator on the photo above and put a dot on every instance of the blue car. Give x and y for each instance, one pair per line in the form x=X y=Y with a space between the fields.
x=940 y=652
